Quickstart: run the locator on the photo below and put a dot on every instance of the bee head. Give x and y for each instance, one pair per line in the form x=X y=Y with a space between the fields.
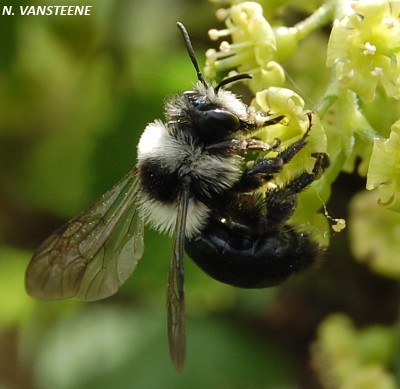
x=216 y=112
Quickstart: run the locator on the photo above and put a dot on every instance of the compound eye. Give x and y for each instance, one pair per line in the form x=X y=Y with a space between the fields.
x=218 y=121
x=225 y=119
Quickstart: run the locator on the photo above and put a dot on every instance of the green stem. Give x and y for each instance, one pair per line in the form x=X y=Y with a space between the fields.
x=319 y=18
x=328 y=99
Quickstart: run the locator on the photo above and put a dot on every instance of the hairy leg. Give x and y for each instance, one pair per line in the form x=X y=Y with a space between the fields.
x=264 y=169
x=281 y=202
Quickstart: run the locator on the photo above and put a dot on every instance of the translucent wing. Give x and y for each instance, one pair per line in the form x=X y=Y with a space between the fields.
x=94 y=253
x=175 y=289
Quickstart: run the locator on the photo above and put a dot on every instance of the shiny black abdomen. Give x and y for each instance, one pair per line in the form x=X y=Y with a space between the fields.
x=251 y=261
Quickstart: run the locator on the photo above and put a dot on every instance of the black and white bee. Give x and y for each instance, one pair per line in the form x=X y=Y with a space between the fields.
x=190 y=181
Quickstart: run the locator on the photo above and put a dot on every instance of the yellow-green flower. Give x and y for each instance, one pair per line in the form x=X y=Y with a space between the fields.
x=288 y=103
x=384 y=169
x=364 y=47
x=252 y=50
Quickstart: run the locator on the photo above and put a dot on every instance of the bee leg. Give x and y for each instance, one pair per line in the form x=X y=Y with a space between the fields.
x=281 y=202
x=257 y=175
x=264 y=169
x=288 y=154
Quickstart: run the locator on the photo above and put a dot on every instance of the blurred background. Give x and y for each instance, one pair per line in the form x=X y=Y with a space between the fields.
x=75 y=95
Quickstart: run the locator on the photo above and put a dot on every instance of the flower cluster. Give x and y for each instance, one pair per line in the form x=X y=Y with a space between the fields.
x=364 y=47
x=253 y=48
x=364 y=52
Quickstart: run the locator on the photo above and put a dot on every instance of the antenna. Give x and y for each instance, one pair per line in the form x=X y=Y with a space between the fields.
x=234 y=78
x=190 y=51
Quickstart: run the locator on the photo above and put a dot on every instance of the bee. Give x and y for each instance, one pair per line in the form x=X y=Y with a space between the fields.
x=190 y=181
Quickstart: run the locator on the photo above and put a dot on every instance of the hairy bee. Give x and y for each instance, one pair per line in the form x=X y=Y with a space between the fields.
x=190 y=181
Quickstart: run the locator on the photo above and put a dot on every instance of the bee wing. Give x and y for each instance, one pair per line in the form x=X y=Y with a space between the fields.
x=176 y=284
x=94 y=253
